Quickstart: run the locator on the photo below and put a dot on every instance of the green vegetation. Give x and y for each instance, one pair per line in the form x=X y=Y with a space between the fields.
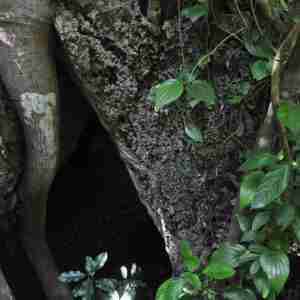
x=257 y=266
x=85 y=285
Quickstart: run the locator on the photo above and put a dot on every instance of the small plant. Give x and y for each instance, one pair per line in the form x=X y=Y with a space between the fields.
x=84 y=285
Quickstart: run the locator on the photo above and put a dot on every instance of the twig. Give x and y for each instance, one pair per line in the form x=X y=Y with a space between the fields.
x=278 y=63
x=181 y=42
x=265 y=134
x=255 y=17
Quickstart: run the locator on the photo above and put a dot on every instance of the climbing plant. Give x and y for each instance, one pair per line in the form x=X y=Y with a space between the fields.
x=268 y=211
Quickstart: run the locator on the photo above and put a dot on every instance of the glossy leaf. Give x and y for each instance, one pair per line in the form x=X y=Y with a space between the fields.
x=192 y=280
x=251 y=236
x=100 y=260
x=170 y=290
x=249 y=187
x=261 y=48
x=194 y=133
x=166 y=92
x=244 y=87
x=273 y=185
x=248 y=256
x=124 y=272
x=277 y=268
x=198 y=10
x=219 y=271
x=90 y=266
x=106 y=284
x=262 y=285
x=244 y=222
x=261 y=219
x=71 y=276
x=289 y=115
x=228 y=254
x=254 y=267
x=285 y=215
x=259 y=160
x=260 y=70
x=190 y=261
x=201 y=91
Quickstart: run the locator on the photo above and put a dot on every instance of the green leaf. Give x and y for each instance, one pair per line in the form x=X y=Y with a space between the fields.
x=260 y=70
x=170 y=290
x=201 y=91
x=289 y=115
x=277 y=268
x=166 y=92
x=253 y=236
x=194 y=133
x=90 y=266
x=261 y=219
x=261 y=48
x=249 y=236
x=285 y=215
x=106 y=284
x=71 y=276
x=239 y=294
x=258 y=161
x=191 y=262
x=193 y=280
x=296 y=19
x=198 y=10
x=236 y=99
x=248 y=256
x=244 y=87
x=218 y=271
x=100 y=260
x=244 y=222
x=262 y=285
x=124 y=272
x=254 y=268
x=258 y=249
x=228 y=254
x=249 y=187
x=80 y=291
x=273 y=185
x=93 y=265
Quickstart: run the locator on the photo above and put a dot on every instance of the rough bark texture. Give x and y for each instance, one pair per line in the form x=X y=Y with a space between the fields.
x=117 y=57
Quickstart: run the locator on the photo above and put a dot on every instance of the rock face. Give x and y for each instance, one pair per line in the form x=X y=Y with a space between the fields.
x=11 y=156
x=117 y=56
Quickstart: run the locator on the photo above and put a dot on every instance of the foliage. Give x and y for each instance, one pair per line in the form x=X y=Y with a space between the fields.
x=84 y=285
x=269 y=211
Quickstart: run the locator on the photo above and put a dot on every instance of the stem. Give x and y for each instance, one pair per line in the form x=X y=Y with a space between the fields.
x=181 y=42
x=255 y=17
x=213 y=51
x=287 y=45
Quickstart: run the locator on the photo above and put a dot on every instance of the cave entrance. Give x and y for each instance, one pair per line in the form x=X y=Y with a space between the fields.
x=93 y=207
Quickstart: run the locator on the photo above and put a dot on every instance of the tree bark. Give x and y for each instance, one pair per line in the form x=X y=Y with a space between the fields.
x=117 y=56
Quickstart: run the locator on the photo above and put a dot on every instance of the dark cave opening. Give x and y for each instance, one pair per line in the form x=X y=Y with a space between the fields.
x=94 y=203
x=93 y=207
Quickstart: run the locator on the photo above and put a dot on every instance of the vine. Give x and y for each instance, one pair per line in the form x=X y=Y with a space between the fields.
x=255 y=261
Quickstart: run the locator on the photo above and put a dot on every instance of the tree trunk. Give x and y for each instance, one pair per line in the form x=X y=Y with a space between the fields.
x=117 y=56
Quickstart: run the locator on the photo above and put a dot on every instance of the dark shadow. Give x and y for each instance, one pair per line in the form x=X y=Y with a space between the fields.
x=93 y=207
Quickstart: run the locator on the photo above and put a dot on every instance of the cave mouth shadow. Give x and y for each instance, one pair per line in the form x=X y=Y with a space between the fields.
x=93 y=207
